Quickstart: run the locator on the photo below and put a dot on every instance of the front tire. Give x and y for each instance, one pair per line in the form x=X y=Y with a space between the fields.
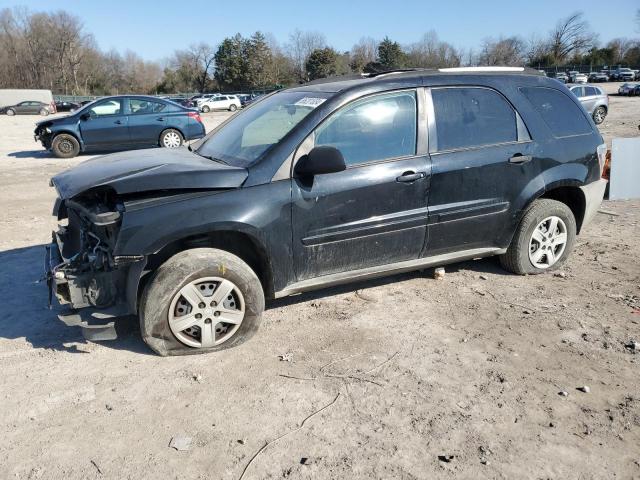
x=11 y=112
x=171 y=138
x=599 y=114
x=543 y=240
x=200 y=300
x=205 y=109
x=65 y=146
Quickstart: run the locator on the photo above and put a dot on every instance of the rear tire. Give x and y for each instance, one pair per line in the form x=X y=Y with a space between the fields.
x=65 y=146
x=171 y=138
x=599 y=114
x=44 y=112
x=525 y=246
x=163 y=303
x=233 y=108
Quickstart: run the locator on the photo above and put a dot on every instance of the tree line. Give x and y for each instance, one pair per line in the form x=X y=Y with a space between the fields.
x=52 y=50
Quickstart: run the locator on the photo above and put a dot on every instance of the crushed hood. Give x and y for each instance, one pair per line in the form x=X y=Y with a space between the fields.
x=148 y=170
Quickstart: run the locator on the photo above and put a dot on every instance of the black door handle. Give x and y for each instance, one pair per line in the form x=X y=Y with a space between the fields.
x=410 y=177
x=518 y=158
x=160 y=119
x=118 y=122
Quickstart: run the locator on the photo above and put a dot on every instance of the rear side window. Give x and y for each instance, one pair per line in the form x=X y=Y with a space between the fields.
x=559 y=112
x=472 y=117
x=590 y=91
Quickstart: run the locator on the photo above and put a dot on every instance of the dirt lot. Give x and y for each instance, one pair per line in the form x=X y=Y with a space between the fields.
x=458 y=378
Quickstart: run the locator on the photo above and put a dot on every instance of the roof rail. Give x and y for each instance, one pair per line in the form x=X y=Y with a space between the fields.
x=482 y=69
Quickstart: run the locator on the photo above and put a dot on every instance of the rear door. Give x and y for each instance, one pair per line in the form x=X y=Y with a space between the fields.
x=104 y=125
x=589 y=98
x=374 y=212
x=482 y=161
x=147 y=120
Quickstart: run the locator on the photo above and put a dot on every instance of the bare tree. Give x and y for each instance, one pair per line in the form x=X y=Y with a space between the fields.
x=571 y=36
x=362 y=53
x=431 y=52
x=300 y=46
x=504 y=51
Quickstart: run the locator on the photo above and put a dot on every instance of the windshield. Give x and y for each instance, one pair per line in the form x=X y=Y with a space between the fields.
x=248 y=135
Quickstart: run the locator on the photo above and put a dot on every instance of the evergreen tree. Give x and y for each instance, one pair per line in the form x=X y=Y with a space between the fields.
x=322 y=63
x=390 y=54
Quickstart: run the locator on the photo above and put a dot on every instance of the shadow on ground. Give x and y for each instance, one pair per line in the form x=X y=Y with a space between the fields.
x=35 y=154
x=28 y=315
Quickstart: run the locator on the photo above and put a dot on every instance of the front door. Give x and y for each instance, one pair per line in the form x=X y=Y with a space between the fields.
x=483 y=169
x=374 y=212
x=104 y=125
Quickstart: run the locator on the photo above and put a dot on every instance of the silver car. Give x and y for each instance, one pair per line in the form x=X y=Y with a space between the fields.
x=593 y=99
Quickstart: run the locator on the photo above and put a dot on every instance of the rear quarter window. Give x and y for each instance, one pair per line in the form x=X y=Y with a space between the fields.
x=560 y=113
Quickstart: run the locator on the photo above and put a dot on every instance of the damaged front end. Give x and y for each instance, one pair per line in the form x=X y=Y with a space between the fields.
x=43 y=134
x=81 y=268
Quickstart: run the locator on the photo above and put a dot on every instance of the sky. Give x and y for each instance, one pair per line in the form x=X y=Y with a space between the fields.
x=154 y=29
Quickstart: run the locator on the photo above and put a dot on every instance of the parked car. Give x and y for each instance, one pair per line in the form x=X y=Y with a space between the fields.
x=222 y=102
x=571 y=75
x=627 y=88
x=200 y=99
x=28 y=108
x=636 y=90
x=597 y=77
x=13 y=96
x=67 y=106
x=637 y=74
x=185 y=102
x=244 y=98
x=593 y=99
x=323 y=184
x=120 y=122
x=622 y=74
x=562 y=77
x=580 y=78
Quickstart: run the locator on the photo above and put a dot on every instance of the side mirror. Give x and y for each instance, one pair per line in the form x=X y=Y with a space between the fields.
x=320 y=160
x=85 y=116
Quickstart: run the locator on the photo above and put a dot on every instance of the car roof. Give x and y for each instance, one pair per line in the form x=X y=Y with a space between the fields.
x=338 y=84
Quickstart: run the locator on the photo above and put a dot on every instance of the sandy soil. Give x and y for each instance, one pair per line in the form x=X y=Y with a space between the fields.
x=456 y=378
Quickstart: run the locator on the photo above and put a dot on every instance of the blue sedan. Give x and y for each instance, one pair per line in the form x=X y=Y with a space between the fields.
x=120 y=122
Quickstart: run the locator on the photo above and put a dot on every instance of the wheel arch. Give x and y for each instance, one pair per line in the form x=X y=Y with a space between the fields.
x=240 y=243
x=569 y=193
x=78 y=138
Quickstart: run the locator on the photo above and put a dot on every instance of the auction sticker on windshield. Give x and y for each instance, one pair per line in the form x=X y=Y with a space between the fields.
x=312 y=102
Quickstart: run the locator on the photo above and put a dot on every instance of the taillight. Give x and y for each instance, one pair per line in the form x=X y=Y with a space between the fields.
x=604 y=159
x=53 y=107
x=195 y=116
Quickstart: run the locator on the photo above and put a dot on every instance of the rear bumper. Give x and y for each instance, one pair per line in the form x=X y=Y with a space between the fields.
x=593 y=195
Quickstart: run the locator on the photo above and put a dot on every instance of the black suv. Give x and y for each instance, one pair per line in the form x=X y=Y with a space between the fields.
x=322 y=184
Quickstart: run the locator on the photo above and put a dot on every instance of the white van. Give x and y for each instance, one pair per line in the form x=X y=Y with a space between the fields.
x=10 y=97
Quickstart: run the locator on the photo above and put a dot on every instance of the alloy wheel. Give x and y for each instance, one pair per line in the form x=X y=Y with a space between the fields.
x=548 y=242
x=598 y=115
x=206 y=312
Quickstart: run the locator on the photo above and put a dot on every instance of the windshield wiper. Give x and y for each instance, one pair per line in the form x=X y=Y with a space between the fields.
x=209 y=157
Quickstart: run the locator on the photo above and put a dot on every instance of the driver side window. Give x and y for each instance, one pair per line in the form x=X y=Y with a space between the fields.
x=108 y=107
x=375 y=128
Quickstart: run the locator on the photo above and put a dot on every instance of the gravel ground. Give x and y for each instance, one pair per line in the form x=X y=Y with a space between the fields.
x=421 y=378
